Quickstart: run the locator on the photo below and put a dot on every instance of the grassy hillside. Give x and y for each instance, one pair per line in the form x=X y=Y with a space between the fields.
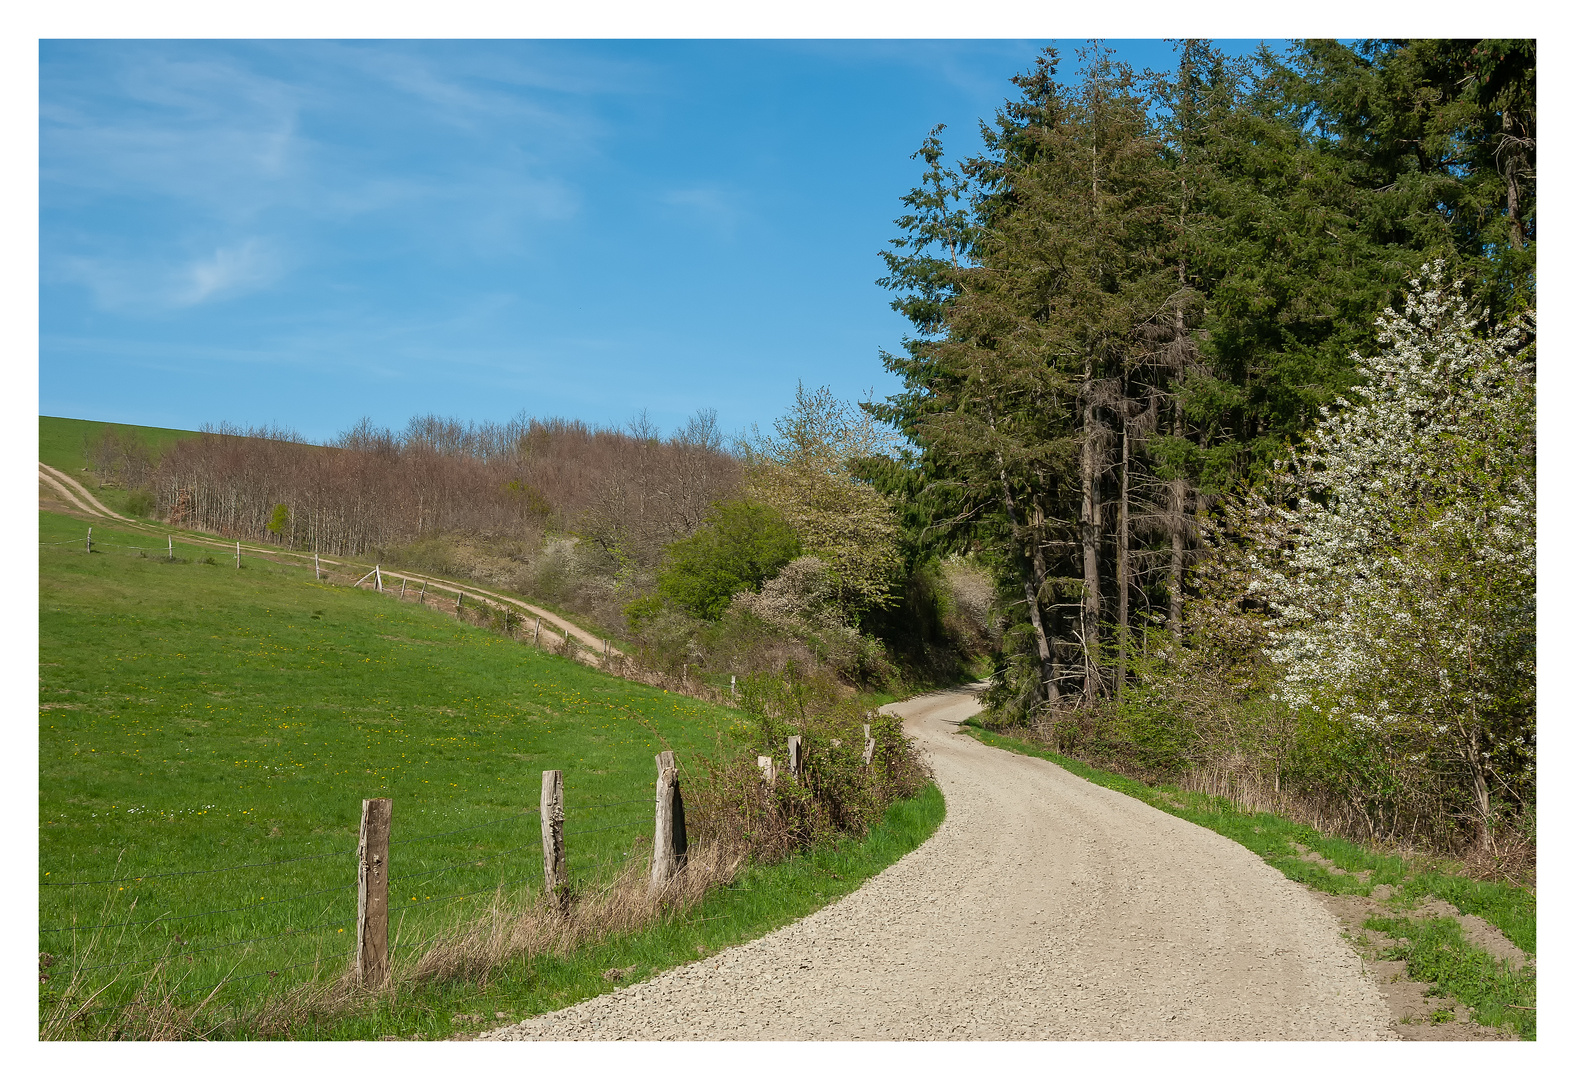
x=61 y=443
x=194 y=717
x=207 y=734
x=61 y=440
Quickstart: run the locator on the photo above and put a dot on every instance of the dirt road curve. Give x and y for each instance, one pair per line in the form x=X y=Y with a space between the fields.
x=74 y=493
x=1043 y=908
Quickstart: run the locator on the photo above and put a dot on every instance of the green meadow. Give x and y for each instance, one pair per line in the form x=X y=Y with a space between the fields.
x=62 y=441
x=207 y=735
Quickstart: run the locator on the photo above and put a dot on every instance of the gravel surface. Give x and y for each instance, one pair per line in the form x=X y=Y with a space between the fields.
x=1044 y=907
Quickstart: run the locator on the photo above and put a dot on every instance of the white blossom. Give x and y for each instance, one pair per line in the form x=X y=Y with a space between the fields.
x=1402 y=590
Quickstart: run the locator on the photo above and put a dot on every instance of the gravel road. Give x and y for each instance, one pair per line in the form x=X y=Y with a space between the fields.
x=1044 y=907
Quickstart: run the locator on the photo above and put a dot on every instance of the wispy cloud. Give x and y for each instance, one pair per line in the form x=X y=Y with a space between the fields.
x=712 y=206
x=431 y=148
x=220 y=139
x=132 y=286
x=252 y=265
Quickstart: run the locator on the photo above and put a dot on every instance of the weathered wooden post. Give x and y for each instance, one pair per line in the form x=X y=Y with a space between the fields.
x=734 y=684
x=537 y=635
x=371 y=946
x=422 y=599
x=553 y=860
x=869 y=745
x=670 y=842
x=460 y=603
x=768 y=771
x=795 y=754
x=378 y=572
x=402 y=583
x=237 y=554
x=90 y=540
x=172 y=548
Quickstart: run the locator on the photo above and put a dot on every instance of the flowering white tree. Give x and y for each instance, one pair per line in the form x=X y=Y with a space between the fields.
x=1401 y=568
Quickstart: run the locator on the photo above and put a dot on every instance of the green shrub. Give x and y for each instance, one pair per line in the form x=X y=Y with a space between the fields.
x=741 y=544
x=835 y=794
x=140 y=503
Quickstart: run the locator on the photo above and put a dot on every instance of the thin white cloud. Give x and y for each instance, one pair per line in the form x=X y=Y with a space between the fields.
x=713 y=206
x=131 y=286
x=155 y=143
x=245 y=268
x=211 y=134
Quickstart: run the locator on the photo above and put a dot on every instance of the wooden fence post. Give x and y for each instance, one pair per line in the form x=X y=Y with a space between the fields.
x=371 y=946
x=869 y=745
x=795 y=754
x=537 y=635
x=378 y=571
x=90 y=539
x=402 y=583
x=460 y=603
x=734 y=684
x=670 y=841
x=768 y=772
x=172 y=548
x=553 y=859
x=422 y=599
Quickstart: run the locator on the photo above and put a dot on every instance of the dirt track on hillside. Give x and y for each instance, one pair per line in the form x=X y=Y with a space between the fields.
x=60 y=492
x=1043 y=908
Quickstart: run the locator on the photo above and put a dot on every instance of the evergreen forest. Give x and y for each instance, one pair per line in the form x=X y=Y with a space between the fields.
x=1227 y=374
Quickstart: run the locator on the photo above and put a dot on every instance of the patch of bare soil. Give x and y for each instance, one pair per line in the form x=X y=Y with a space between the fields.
x=1415 y=1014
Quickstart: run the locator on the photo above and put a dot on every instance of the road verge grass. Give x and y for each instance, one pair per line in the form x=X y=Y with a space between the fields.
x=1435 y=951
x=759 y=899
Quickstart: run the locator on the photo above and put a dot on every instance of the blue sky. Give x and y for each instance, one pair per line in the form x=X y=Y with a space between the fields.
x=307 y=232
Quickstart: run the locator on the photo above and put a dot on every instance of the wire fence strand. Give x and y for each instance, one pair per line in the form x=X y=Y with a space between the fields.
x=427 y=875
x=609 y=805
x=199 y=914
x=605 y=828
x=195 y=873
x=468 y=828
x=454 y=896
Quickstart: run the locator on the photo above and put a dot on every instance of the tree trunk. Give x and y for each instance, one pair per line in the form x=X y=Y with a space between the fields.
x=1089 y=528
x=1032 y=584
x=1047 y=665
x=1479 y=790
x=1178 y=491
x=1517 y=231
x=1174 y=584
x=1121 y=567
